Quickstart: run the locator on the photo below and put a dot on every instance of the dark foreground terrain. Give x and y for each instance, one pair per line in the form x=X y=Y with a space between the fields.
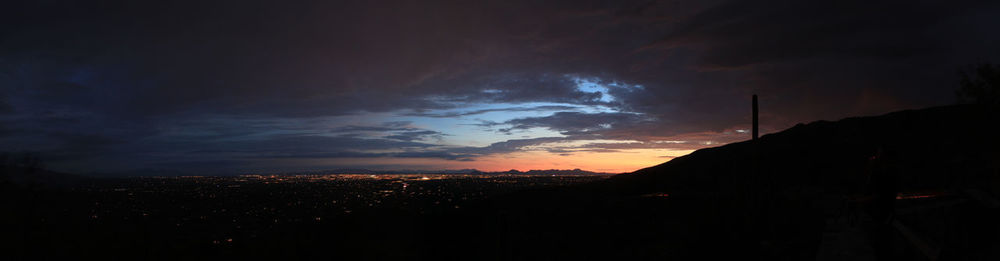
x=812 y=192
x=316 y=216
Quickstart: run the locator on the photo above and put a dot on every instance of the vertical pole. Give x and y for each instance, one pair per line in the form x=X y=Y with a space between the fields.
x=755 y=117
x=762 y=204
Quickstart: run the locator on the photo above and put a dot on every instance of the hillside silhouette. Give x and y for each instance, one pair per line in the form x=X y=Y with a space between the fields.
x=946 y=147
x=805 y=193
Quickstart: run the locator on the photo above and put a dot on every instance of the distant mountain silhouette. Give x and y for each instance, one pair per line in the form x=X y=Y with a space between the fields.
x=548 y=172
x=451 y=171
x=174 y=173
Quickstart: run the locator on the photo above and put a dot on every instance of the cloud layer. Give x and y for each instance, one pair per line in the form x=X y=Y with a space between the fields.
x=223 y=85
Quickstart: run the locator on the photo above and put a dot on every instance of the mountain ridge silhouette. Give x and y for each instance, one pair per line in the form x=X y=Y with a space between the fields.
x=938 y=147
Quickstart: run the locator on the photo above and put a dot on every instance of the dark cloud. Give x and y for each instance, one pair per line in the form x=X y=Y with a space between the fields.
x=577 y=123
x=398 y=130
x=356 y=128
x=415 y=135
x=508 y=146
x=482 y=111
x=742 y=33
x=519 y=88
x=4 y=107
x=832 y=59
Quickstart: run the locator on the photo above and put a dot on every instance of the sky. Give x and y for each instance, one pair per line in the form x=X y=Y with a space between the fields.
x=222 y=87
